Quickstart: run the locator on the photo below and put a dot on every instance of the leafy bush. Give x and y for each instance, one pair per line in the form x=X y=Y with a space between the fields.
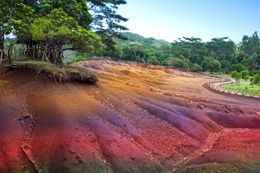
x=153 y=60
x=167 y=61
x=75 y=59
x=236 y=75
x=195 y=67
x=256 y=79
x=210 y=64
x=245 y=74
x=254 y=72
x=181 y=63
x=238 y=67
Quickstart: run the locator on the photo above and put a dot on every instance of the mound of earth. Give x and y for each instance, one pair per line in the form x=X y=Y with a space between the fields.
x=50 y=72
x=138 y=118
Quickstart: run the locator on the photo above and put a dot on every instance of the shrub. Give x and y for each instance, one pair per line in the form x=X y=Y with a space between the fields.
x=153 y=60
x=254 y=72
x=238 y=67
x=245 y=74
x=236 y=75
x=168 y=61
x=195 y=67
x=181 y=63
x=256 y=79
x=75 y=59
x=211 y=65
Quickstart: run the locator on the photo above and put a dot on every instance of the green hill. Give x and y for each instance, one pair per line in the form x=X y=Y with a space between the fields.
x=133 y=38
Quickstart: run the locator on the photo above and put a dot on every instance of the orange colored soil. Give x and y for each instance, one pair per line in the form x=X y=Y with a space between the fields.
x=138 y=118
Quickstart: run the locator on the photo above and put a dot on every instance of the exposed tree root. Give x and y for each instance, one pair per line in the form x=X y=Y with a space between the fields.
x=55 y=74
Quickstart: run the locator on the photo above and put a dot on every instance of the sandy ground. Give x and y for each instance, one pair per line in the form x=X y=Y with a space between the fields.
x=138 y=118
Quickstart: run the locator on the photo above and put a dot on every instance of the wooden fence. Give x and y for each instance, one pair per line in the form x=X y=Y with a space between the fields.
x=214 y=85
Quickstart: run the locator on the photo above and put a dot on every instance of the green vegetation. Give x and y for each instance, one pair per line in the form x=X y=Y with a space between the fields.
x=76 y=58
x=243 y=87
x=48 y=67
x=218 y=55
x=47 y=28
x=220 y=167
x=236 y=75
x=246 y=83
x=255 y=79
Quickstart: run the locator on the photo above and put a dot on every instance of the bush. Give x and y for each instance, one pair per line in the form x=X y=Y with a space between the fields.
x=238 y=67
x=195 y=67
x=245 y=74
x=254 y=72
x=167 y=61
x=256 y=79
x=153 y=60
x=181 y=63
x=236 y=75
x=75 y=59
x=211 y=65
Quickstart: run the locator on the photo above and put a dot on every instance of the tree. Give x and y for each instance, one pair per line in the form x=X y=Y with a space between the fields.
x=212 y=65
x=192 y=49
x=250 y=46
x=48 y=27
x=57 y=29
x=135 y=52
x=223 y=50
x=76 y=9
x=14 y=18
x=106 y=22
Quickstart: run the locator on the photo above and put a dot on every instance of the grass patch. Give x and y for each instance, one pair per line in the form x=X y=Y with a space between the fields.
x=243 y=87
x=220 y=167
x=57 y=74
x=41 y=65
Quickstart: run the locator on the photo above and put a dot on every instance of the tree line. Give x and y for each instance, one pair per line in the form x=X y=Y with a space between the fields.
x=49 y=27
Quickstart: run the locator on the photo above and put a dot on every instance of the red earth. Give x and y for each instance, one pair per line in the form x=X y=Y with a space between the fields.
x=138 y=118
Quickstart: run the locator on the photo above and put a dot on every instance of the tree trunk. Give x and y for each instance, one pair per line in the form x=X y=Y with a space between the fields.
x=45 y=51
x=59 y=54
x=30 y=50
x=10 y=50
x=54 y=52
x=2 y=53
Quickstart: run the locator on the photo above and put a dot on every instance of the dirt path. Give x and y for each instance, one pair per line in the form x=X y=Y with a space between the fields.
x=138 y=118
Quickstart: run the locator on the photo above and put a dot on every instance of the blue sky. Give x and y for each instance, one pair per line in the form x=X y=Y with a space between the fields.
x=173 y=19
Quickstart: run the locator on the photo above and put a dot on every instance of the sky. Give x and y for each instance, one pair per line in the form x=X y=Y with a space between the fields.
x=206 y=19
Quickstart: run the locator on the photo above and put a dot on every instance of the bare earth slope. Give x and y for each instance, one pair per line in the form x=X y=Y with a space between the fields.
x=138 y=118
